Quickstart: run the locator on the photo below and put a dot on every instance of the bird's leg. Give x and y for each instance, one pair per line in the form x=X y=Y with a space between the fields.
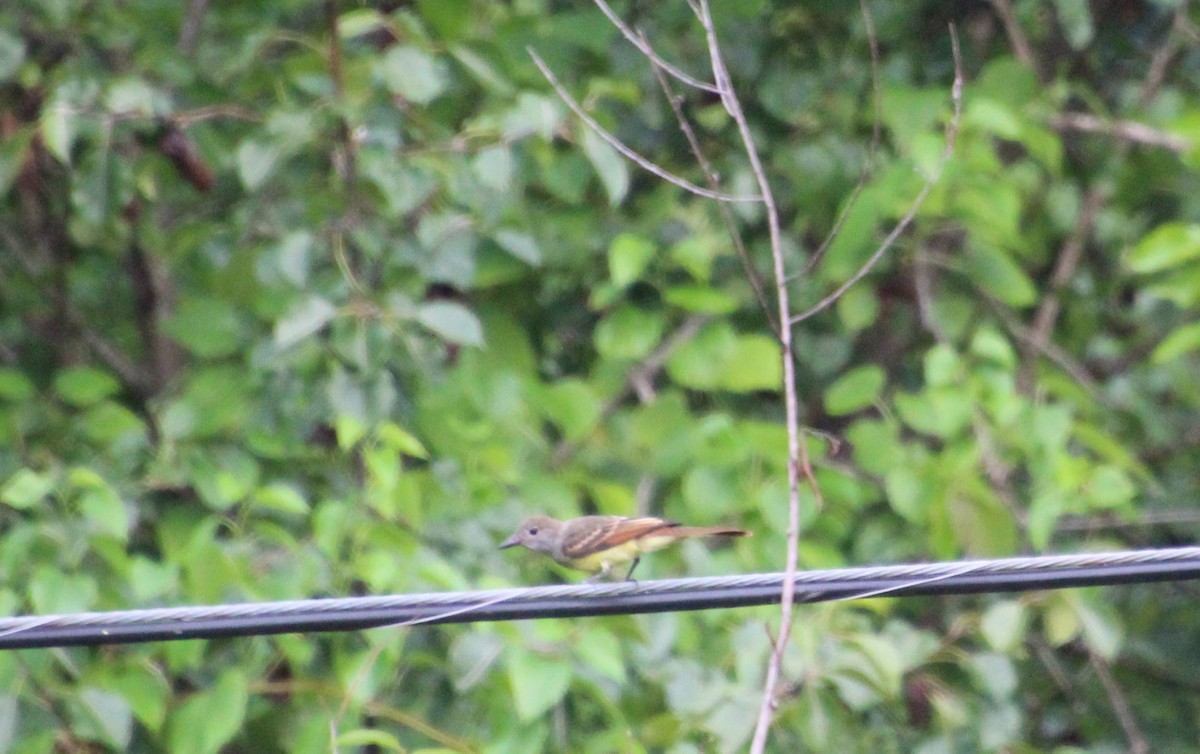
x=629 y=573
x=599 y=576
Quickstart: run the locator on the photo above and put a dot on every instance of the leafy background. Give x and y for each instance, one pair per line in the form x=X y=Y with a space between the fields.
x=310 y=299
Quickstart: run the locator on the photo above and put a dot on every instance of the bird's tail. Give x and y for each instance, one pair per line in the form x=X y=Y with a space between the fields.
x=705 y=531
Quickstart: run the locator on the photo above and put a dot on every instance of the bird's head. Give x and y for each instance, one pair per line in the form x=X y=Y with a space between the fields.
x=538 y=533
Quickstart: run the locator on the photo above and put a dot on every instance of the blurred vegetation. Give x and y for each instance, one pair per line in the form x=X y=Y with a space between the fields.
x=308 y=298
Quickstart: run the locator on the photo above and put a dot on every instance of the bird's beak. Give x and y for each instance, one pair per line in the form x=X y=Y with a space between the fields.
x=512 y=541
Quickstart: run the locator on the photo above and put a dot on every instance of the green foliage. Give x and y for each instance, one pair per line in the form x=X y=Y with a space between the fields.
x=319 y=298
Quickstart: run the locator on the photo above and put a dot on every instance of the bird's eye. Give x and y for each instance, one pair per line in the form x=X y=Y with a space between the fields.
x=533 y=531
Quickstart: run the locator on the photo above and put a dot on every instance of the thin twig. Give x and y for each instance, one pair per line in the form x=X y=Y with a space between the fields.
x=798 y=461
x=1120 y=705
x=639 y=41
x=189 y=31
x=1048 y=349
x=618 y=145
x=1126 y=130
x=1016 y=35
x=1162 y=56
x=1064 y=268
x=876 y=135
x=710 y=175
x=646 y=370
x=902 y=226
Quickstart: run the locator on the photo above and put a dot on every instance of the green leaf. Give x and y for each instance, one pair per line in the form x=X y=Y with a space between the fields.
x=1060 y=621
x=106 y=717
x=485 y=72
x=26 y=488
x=413 y=74
x=994 y=117
x=1164 y=248
x=629 y=333
x=521 y=245
x=538 y=681
x=941 y=412
x=1075 y=18
x=609 y=165
x=600 y=650
x=12 y=55
x=532 y=114
x=209 y=719
x=1004 y=625
x=699 y=363
x=401 y=440
x=56 y=593
x=350 y=430
x=282 y=498
x=208 y=327
x=104 y=509
x=698 y=298
x=110 y=423
x=83 y=386
x=360 y=21
x=571 y=405
x=628 y=256
x=452 y=321
x=909 y=492
x=1110 y=487
x=14 y=151
x=255 y=161
x=857 y=389
x=307 y=317
x=494 y=168
x=1182 y=340
x=370 y=737
x=151 y=580
x=997 y=273
x=58 y=130
x=10 y=719
x=1102 y=629
x=15 y=386
x=146 y=692
x=858 y=307
x=472 y=656
x=990 y=345
x=754 y=364
x=942 y=366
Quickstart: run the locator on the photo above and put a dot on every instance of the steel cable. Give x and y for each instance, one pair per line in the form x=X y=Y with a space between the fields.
x=571 y=600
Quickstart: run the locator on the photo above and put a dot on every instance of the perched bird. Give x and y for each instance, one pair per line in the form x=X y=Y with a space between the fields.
x=596 y=543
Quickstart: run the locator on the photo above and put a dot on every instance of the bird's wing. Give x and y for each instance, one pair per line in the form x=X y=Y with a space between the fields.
x=592 y=534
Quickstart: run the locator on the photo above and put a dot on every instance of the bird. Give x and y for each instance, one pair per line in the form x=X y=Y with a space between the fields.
x=595 y=544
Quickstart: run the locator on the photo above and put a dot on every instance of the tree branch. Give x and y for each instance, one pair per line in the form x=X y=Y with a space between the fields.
x=951 y=133
x=616 y=143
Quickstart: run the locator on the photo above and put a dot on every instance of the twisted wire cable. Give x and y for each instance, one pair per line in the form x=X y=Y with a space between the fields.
x=572 y=600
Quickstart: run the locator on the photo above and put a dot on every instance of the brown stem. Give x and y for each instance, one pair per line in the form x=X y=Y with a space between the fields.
x=1068 y=260
x=710 y=175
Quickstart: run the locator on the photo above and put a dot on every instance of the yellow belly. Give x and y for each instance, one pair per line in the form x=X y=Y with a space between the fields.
x=622 y=553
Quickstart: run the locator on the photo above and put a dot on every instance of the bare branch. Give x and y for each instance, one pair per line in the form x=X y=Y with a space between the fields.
x=638 y=40
x=710 y=175
x=1120 y=705
x=872 y=150
x=1126 y=130
x=189 y=31
x=1162 y=56
x=951 y=133
x=1068 y=260
x=641 y=374
x=616 y=144
x=798 y=461
x=1050 y=350
x=1016 y=35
